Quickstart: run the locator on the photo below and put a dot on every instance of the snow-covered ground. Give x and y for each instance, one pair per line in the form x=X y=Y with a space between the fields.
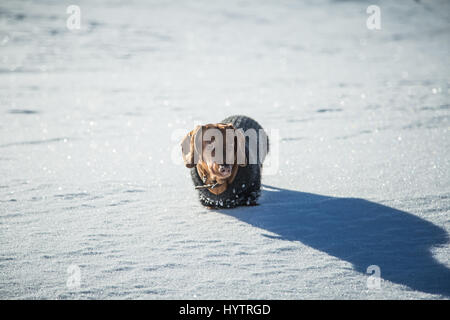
x=90 y=125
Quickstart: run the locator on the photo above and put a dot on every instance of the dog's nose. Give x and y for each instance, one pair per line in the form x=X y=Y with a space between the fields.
x=224 y=168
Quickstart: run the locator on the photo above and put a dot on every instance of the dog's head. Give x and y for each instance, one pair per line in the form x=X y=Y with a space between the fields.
x=217 y=148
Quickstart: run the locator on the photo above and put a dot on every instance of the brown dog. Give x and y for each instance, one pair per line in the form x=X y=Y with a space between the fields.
x=225 y=171
x=218 y=174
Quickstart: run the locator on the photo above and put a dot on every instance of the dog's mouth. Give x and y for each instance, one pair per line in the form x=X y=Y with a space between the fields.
x=224 y=170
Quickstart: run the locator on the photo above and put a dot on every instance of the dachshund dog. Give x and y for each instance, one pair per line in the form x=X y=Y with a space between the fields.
x=226 y=160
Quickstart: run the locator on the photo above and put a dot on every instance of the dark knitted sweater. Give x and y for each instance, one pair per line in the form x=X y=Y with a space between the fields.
x=246 y=186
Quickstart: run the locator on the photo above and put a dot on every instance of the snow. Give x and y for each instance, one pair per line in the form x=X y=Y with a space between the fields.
x=91 y=172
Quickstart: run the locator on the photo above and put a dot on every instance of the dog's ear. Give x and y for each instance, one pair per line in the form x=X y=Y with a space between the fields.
x=188 y=147
x=240 y=147
x=224 y=126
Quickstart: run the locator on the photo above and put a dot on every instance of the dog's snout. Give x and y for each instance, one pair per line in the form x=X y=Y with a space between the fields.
x=224 y=167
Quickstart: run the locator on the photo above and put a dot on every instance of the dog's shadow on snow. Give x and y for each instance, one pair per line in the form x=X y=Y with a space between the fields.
x=361 y=232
